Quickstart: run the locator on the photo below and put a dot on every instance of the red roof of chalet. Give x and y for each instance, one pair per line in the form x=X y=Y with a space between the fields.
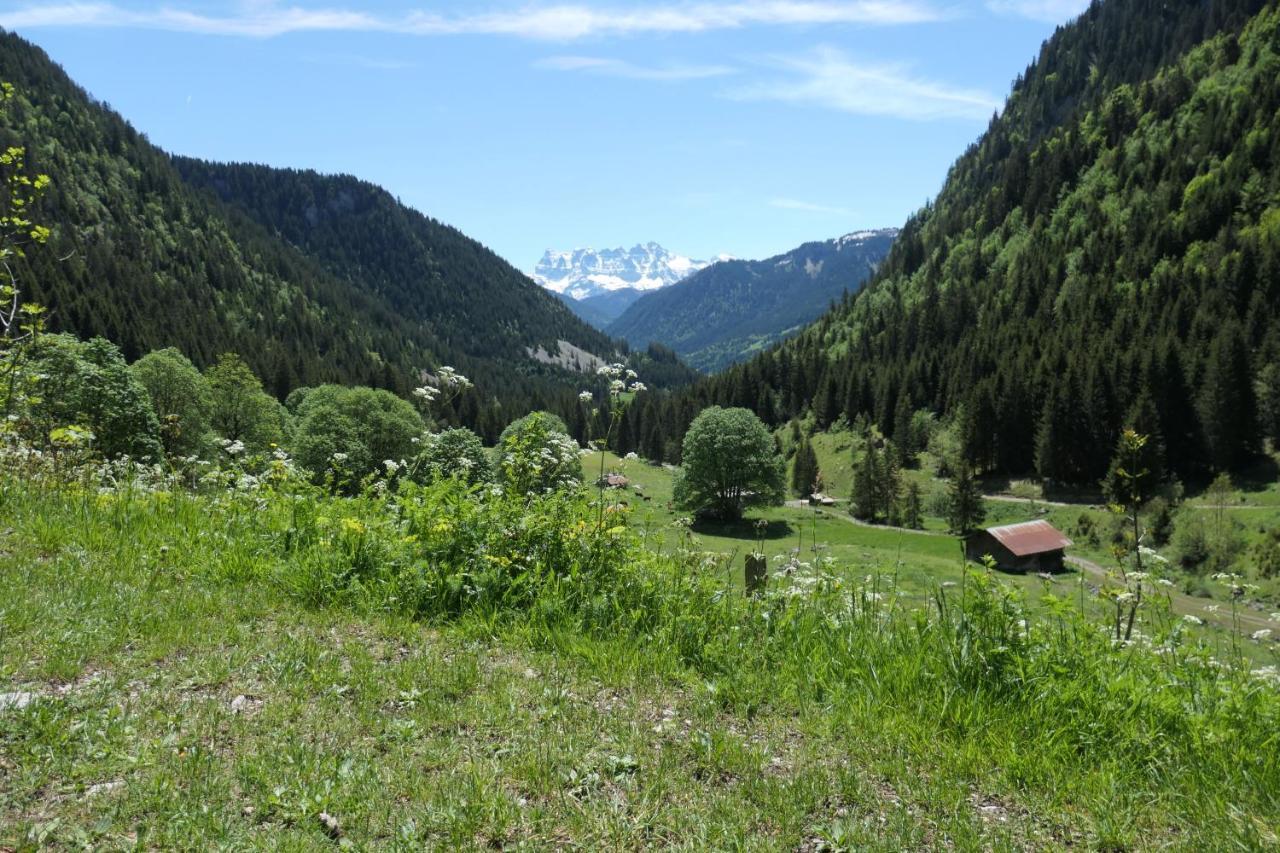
x=1031 y=537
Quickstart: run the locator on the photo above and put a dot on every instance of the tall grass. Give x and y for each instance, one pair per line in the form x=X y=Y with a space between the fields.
x=1043 y=701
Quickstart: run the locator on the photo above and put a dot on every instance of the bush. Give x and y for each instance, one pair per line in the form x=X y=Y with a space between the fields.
x=1191 y=543
x=88 y=384
x=1160 y=522
x=179 y=397
x=1266 y=554
x=534 y=457
x=454 y=453
x=552 y=422
x=361 y=429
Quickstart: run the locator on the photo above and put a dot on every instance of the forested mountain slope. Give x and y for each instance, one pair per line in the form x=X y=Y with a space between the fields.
x=1107 y=254
x=734 y=308
x=310 y=278
x=424 y=271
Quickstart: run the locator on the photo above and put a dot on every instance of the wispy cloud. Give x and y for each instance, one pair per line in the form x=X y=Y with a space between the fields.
x=557 y=22
x=1053 y=11
x=829 y=78
x=619 y=68
x=809 y=207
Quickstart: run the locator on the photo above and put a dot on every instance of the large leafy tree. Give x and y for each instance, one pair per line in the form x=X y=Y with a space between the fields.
x=88 y=384
x=730 y=463
x=239 y=409
x=364 y=427
x=179 y=396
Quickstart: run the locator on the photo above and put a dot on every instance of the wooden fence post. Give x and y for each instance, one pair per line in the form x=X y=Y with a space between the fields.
x=757 y=572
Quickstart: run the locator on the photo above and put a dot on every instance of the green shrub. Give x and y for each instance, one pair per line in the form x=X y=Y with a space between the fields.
x=359 y=429
x=88 y=384
x=534 y=457
x=453 y=453
x=554 y=423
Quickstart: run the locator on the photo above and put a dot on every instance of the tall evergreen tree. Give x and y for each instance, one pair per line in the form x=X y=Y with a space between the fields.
x=965 y=509
x=1228 y=411
x=804 y=469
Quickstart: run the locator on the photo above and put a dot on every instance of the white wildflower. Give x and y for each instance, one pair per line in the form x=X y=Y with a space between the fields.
x=339 y=457
x=637 y=387
x=586 y=396
x=1151 y=554
x=391 y=465
x=1261 y=635
x=1267 y=673
x=1192 y=620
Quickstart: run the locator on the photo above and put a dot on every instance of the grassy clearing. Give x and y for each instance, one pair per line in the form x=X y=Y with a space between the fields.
x=919 y=560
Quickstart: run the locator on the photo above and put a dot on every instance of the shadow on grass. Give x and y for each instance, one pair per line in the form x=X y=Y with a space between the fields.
x=744 y=528
x=1258 y=476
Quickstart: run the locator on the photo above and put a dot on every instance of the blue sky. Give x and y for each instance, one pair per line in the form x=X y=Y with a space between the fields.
x=744 y=127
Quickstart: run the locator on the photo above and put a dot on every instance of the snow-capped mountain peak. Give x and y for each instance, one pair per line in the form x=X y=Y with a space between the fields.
x=857 y=238
x=582 y=273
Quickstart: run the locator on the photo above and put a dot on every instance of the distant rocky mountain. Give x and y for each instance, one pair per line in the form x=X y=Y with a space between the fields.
x=729 y=310
x=600 y=285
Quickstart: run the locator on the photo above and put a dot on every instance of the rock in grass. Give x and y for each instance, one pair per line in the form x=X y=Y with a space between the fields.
x=16 y=701
x=330 y=825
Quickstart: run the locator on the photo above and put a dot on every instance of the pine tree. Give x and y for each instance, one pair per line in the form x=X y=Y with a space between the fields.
x=912 y=514
x=965 y=510
x=866 y=477
x=1269 y=403
x=804 y=470
x=1227 y=406
x=903 y=435
x=889 y=485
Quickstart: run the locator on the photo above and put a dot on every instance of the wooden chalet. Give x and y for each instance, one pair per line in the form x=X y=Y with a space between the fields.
x=1033 y=546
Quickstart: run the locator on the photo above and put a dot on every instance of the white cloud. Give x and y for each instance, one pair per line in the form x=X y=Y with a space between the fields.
x=620 y=68
x=1053 y=11
x=561 y=22
x=809 y=207
x=829 y=78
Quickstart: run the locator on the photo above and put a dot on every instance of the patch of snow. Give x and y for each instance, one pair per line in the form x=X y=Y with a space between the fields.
x=858 y=237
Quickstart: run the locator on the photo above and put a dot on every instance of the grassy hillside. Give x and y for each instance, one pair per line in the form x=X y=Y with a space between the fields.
x=267 y=666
